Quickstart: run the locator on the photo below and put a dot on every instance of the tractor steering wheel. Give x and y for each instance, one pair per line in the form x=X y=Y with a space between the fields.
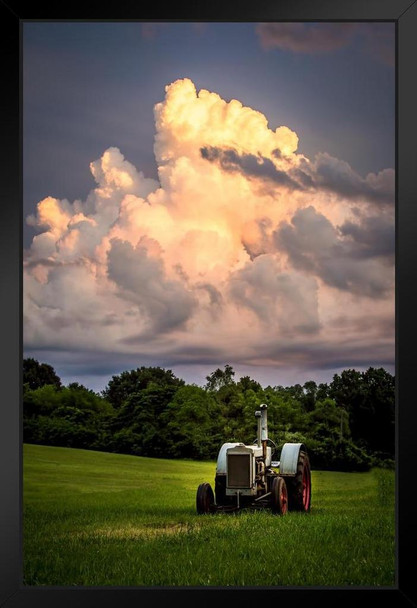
x=274 y=447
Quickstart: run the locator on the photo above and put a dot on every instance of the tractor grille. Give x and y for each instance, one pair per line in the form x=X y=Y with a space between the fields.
x=238 y=471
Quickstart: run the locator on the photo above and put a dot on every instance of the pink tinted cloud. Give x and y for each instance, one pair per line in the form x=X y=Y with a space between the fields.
x=316 y=38
x=229 y=261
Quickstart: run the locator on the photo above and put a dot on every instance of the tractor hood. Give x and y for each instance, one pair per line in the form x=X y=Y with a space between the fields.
x=221 y=459
x=221 y=468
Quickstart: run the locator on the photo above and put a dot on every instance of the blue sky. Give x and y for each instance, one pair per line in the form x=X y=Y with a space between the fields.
x=91 y=86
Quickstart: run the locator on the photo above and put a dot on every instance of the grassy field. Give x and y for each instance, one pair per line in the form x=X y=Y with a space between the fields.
x=96 y=519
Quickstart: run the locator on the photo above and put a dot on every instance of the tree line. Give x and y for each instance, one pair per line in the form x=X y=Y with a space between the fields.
x=347 y=424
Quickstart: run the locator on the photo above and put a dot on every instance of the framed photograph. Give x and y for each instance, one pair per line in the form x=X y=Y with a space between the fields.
x=208 y=296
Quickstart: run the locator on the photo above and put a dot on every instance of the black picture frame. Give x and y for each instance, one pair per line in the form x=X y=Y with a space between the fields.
x=12 y=14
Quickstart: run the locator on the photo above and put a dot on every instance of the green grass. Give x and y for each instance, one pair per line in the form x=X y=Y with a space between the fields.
x=96 y=519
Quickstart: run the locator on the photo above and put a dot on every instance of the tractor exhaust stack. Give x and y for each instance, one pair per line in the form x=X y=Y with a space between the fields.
x=264 y=423
x=262 y=428
x=258 y=436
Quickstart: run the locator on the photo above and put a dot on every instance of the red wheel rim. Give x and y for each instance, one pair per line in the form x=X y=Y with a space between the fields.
x=284 y=499
x=306 y=488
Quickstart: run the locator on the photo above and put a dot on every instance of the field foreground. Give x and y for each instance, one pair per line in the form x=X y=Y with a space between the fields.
x=96 y=519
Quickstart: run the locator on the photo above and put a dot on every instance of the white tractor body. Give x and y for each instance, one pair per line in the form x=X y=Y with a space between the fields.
x=247 y=476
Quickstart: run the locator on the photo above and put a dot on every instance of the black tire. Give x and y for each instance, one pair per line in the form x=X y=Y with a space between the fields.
x=299 y=487
x=205 y=499
x=279 y=496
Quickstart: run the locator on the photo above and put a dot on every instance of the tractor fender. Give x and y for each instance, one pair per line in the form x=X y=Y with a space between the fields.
x=289 y=458
x=221 y=458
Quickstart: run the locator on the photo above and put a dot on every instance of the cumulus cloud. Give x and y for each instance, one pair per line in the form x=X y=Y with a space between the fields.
x=207 y=118
x=243 y=251
x=338 y=176
x=373 y=236
x=139 y=275
x=313 y=244
x=324 y=172
x=285 y=303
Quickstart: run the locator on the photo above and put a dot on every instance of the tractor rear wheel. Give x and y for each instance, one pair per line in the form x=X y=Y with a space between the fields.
x=205 y=499
x=299 y=487
x=279 y=496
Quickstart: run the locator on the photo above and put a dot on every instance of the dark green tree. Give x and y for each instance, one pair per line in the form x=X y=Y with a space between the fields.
x=310 y=395
x=78 y=396
x=72 y=416
x=220 y=378
x=192 y=424
x=37 y=374
x=328 y=420
x=322 y=391
x=286 y=413
x=328 y=439
x=41 y=401
x=247 y=384
x=378 y=411
x=141 y=415
x=296 y=391
x=125 y=384
x=369 y=399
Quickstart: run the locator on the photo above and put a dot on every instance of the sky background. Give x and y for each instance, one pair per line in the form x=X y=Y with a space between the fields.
x=197 y=194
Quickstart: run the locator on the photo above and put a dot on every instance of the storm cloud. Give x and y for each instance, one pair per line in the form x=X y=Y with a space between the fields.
x=306 y=37
x=140 y=277
x=313 y=244
x=243 y=251
x=324 y=172
x=337 y=176
x=251 y=165
x=318 y=38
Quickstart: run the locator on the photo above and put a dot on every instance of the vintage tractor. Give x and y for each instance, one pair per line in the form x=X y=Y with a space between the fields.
x=246 y=476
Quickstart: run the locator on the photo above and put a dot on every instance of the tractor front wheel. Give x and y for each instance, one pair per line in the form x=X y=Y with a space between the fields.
x=205 y=499
x=279 y=496
x=299 y=487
